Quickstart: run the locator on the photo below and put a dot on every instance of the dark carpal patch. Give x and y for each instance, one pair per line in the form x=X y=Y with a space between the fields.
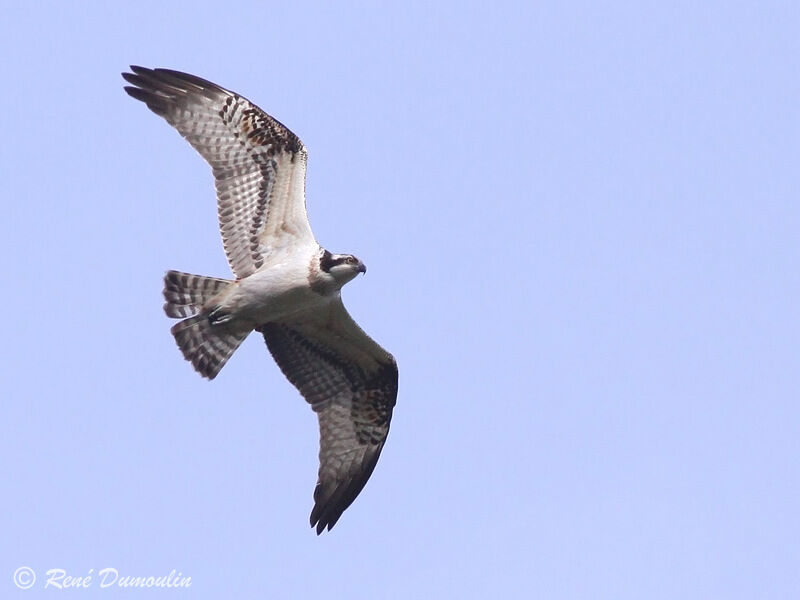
x=264 y=130
x=372 y=407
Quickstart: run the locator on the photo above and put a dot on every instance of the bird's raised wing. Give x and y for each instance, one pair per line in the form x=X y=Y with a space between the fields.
x=259 y=165
x=351 y=383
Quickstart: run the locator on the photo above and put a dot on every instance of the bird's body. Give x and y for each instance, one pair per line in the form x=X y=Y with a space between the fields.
x=287 y=287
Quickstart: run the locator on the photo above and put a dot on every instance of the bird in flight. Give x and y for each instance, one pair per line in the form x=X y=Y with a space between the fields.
x=286 y=287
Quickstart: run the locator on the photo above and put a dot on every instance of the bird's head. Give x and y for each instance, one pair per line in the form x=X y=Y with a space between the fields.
x=341 y=267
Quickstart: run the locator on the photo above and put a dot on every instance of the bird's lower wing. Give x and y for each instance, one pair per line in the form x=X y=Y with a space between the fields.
x=351 y=383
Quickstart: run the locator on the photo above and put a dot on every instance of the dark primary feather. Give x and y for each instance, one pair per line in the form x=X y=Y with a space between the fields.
x=353 y=401
x=163 y=90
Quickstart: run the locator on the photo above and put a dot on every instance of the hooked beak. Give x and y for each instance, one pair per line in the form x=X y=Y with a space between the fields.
x=362 y=268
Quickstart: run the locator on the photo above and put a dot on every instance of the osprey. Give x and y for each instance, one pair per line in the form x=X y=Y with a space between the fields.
x=287 y=286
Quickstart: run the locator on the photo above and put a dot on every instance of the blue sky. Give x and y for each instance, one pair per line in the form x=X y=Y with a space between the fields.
x=581 y=226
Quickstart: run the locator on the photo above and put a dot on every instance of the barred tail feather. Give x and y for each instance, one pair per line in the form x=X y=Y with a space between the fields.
x=208 y=347
x=185 y=294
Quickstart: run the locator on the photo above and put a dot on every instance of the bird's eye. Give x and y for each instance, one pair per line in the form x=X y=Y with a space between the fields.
x=350 y=260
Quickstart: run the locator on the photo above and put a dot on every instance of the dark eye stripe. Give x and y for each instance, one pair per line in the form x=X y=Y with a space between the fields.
x=328 y=260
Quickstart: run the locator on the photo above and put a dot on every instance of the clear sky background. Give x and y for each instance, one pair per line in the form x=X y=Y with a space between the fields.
x=581 y=226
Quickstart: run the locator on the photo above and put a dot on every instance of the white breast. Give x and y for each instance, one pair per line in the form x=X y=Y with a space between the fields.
x=277 y=290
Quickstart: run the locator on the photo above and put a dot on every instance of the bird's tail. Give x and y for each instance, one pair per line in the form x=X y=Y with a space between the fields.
x=207 y=345
x=206 y=342
x=185 y=294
